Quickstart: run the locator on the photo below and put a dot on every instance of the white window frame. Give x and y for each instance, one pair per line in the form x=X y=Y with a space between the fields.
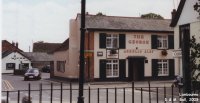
x=163 y=40
x=111 y=38
x=164 y=64
x=112 y=63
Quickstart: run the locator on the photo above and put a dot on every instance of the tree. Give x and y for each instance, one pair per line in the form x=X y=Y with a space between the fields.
x=195 y=58
x=152 y=16
x=100 y=14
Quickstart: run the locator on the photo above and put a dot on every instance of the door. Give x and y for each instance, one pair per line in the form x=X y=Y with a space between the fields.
x=136 y=69
x=51 y=69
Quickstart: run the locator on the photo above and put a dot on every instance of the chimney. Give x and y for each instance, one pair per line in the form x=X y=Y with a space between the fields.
x=173 y=13
x=17 y=44
x=13 y=43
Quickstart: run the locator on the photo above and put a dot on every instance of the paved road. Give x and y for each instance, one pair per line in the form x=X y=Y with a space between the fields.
x=14 y=83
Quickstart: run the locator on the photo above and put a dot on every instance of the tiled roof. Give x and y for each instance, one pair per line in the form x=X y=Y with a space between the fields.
x=64 y=46
x=38 y=56
x=126 y=23
x=7 y=46
x=45 y=47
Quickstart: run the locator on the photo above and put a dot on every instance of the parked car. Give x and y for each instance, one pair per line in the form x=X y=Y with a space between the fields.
x=32 y=73
x=46 y=69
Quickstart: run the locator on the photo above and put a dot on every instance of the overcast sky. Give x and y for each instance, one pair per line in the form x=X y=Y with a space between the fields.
x=28 y=21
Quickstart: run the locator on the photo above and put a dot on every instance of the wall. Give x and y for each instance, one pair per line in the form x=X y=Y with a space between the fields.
x=194 y=30
x=188 y=14
x=144 y=48
x=61 y=56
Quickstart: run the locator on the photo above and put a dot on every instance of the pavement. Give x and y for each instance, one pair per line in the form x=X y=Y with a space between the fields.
x=166 y=83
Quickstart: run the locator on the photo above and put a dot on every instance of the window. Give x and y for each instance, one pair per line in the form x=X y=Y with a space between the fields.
x=112 y=68
x=163 y=69
x=10 y=66
x=112 y=41
x=61 y=66
x=162 y=42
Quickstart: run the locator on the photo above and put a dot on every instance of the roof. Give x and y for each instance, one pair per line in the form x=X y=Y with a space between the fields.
x=38 y=56
x=7 y=46
x=64 y=46
x=116 y=23
x=178 y=13
x=6 y=53
x=45 y=47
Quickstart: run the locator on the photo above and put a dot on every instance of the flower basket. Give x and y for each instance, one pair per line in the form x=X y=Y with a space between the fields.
x=164 y=52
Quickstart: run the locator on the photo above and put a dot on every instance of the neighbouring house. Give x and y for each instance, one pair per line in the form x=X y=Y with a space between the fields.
x=41 y=53
x=186 y=20
x=61 y=61
x=39 y=59
x=118 y=48
x=12 y=58
x=14 y=62
x=45 y=47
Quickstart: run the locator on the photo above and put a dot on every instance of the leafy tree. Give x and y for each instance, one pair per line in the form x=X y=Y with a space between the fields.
x=152 y=16
x=100 y=14
x=195 y=57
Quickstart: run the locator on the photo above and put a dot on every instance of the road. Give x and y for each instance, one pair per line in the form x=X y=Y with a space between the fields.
x=15 y=83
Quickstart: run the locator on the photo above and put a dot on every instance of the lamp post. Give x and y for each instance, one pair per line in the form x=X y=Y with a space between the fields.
x=81 y=57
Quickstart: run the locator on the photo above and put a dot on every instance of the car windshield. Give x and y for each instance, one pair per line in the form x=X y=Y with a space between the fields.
x=31 y=70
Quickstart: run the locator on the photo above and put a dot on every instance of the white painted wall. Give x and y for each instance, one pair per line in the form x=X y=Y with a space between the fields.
x=188 y=14
x=122 y=55
x=19 y=59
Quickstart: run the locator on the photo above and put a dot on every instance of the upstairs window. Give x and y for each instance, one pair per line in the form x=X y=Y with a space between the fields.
x=112 y=41
x=162 y=42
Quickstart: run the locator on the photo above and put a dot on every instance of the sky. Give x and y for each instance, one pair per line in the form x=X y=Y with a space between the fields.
x=29 y=21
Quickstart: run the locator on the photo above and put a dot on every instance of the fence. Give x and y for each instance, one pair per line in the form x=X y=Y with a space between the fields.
x=68 y=93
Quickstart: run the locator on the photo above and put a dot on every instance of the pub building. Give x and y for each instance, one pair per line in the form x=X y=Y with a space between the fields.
x=119 y=49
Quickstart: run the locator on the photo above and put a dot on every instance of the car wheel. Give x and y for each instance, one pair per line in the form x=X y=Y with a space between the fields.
x=38 y=78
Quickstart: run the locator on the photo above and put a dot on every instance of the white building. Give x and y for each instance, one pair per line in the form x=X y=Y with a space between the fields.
x=14 y=60
x=186 y=20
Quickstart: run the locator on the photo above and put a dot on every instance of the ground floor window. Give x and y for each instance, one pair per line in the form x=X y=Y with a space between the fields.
x=163 y=68
x=61 y=66
x=10 y=66
x=112 y=68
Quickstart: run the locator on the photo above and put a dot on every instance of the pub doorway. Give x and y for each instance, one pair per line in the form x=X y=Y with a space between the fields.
x=136 y=68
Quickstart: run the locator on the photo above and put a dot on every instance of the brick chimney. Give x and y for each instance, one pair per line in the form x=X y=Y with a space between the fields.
x=16 y=44
x=173 y=13
x=13 y=43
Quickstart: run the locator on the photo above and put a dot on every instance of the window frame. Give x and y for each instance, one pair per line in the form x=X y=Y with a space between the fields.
x=163 y=39
x=112 y=64
x=163 y=63
x=112 y=38
x=10 y=68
